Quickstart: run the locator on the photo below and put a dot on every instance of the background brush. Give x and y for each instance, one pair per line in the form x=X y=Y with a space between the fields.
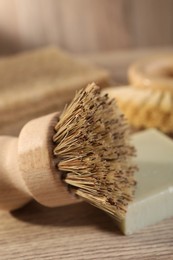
x=148 y=101
x=84 y=151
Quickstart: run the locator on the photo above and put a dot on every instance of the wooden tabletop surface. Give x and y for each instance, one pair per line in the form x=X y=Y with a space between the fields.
x=78 y=232
x=81 y=231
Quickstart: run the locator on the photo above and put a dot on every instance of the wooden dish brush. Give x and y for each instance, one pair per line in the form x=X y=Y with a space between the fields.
x=83 y=151
x=148 y=101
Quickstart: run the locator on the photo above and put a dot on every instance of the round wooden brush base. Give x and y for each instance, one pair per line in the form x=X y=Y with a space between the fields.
x=28 y=167
x=155 y=72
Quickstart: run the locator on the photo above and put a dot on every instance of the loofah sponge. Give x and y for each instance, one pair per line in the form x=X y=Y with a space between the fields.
x=39 y=82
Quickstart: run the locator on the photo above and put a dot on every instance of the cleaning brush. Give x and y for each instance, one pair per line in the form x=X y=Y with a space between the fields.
x=148 y=100
x=83 y=152
x=145 y=108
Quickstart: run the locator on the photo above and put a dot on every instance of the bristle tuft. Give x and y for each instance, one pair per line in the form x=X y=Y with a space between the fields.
x=92 y=147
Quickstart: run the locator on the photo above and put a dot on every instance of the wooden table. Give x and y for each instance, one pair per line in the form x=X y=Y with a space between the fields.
x=81 y=231
x=78 y=232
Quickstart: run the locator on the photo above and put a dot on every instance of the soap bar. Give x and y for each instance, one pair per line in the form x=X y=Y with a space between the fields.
x=41 y=81
x=153 y=199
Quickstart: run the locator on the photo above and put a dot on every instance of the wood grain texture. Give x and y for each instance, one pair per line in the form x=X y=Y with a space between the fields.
x=85 y=26
x=78 y=232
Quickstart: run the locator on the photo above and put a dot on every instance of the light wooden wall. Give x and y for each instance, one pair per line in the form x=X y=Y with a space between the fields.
x=85 y=25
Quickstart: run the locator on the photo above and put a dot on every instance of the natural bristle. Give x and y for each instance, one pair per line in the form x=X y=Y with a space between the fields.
x=93 y=151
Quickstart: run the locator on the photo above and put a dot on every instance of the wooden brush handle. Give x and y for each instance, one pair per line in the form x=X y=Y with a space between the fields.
x=28 y=167
x=13 y=191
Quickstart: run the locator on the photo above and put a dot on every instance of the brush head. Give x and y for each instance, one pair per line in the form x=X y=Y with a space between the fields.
x=145 y=108
x=93 y=151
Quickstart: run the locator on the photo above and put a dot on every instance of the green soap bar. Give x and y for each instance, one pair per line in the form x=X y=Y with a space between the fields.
x=153 y=199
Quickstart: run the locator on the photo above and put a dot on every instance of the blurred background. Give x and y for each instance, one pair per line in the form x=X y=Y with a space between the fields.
x=87 y=26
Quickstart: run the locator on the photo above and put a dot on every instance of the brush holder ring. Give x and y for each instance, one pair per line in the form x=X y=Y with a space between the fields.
x=155 y=72
x=37 y=165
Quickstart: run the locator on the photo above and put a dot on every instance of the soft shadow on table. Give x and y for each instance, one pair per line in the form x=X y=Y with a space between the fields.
x=80 y=214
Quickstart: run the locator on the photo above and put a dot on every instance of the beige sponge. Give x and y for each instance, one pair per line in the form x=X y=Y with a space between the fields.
x=38 y=82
